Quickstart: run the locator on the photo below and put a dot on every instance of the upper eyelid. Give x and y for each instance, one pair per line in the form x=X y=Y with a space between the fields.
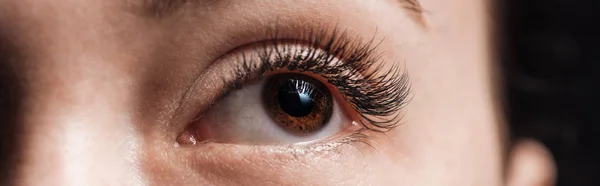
x=379 y=96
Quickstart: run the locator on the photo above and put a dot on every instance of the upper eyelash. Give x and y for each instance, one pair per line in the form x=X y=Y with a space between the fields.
x=377 y=96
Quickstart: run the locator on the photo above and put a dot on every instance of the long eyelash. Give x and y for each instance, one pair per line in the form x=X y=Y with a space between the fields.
x=376 y=95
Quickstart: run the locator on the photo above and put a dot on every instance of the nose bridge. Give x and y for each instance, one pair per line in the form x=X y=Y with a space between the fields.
x=74 y=109
x=75 y=130
x=75 y=126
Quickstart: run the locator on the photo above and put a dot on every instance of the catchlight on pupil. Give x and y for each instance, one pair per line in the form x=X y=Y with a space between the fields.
x=298 y=103
x=295 y=97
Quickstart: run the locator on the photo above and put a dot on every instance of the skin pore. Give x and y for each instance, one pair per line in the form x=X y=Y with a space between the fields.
x=103 y=90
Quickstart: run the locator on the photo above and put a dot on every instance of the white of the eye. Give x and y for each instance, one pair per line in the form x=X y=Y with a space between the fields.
x=241 y=118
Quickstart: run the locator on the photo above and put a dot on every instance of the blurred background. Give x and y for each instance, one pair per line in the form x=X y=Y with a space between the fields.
x=550 y=51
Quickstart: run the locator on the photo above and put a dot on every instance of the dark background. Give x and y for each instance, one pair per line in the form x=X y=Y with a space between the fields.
x=551 y=59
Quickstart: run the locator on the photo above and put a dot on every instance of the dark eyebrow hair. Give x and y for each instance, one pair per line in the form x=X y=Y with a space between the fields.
x=160 y=8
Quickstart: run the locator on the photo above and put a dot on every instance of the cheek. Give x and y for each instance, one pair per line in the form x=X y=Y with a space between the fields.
x=211 y=165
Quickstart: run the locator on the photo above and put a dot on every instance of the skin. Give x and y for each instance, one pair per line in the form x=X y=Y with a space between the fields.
x=93 y=95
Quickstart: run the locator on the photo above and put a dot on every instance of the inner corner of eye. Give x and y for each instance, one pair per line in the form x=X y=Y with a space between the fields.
x=186 y=138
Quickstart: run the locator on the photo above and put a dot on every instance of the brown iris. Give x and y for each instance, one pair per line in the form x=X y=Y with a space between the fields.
x=298 y=103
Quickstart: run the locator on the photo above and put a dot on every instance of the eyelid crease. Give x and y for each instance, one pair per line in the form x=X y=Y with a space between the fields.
x=351 y=66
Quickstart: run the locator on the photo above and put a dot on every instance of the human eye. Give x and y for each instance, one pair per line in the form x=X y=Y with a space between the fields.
x=324 y=86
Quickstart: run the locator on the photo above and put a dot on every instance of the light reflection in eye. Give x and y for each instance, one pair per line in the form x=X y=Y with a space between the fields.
x=284 y=109
x=300 y=104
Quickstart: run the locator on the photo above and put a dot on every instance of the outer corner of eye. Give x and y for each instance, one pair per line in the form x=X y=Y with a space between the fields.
x=285 y=108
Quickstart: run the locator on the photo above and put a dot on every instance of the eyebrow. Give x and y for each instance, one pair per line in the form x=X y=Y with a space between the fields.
x=415 y=10
x=160 y=8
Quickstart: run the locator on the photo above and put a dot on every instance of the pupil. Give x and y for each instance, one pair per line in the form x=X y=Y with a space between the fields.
x=295 y=100
x=298 y=103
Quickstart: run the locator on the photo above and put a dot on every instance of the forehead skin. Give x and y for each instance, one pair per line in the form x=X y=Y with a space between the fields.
x=99 y=86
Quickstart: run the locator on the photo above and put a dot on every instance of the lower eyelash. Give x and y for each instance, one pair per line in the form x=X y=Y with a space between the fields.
x=351 y=66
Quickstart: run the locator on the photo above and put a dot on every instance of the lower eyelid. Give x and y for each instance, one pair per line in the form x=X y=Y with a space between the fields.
x=257 y=162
